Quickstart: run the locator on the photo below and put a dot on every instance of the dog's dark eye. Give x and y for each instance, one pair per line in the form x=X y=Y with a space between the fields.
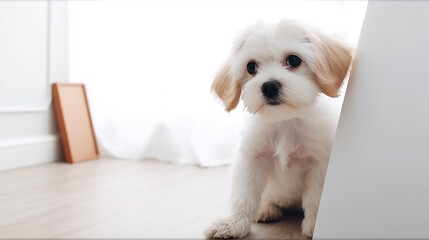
x=252 y=68
x=293 y=61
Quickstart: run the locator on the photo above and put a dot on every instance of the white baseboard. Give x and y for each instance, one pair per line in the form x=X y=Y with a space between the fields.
x=29 y=151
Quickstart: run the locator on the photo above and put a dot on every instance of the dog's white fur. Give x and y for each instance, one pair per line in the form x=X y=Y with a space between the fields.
x=286 y=147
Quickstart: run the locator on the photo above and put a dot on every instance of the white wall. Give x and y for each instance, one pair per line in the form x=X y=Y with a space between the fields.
x=377 y=184
x=33 y=46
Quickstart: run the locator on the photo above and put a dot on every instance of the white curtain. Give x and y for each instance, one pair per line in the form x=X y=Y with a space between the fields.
x=148 y=65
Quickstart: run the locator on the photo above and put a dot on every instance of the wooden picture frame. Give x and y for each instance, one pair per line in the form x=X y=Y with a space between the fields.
x=74 y=121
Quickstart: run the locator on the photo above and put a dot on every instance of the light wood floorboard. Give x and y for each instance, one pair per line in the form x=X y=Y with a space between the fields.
x=110 y=198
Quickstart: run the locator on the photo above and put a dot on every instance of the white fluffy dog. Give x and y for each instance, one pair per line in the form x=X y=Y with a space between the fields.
x=279 y=72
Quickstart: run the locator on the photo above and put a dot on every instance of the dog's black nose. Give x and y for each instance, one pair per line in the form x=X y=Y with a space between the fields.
x=271 y=89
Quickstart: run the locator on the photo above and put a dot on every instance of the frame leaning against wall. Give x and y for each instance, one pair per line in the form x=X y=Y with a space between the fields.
x=74 y=121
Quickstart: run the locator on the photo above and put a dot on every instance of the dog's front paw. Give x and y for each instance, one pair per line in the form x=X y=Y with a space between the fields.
x=229 y=228
x=307 y=227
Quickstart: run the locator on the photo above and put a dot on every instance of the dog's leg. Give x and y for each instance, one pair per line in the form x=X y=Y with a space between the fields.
x=248 y=184
x=269 y=212
x=311 y=199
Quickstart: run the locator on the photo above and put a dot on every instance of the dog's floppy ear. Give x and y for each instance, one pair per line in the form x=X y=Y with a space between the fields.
x=225 y=85
x=332 y=63
x=227 y=88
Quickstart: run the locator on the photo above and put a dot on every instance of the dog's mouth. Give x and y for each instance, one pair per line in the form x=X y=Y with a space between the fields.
x=270 y=102
x=274 y=101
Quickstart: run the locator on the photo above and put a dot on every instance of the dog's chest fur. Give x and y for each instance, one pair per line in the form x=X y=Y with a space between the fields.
x=291 y=143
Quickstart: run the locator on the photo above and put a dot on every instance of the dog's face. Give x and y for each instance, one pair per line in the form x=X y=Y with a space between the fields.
x=280 y=70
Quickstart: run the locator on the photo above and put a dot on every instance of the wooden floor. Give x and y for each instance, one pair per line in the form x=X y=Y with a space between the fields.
x=121 y=199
